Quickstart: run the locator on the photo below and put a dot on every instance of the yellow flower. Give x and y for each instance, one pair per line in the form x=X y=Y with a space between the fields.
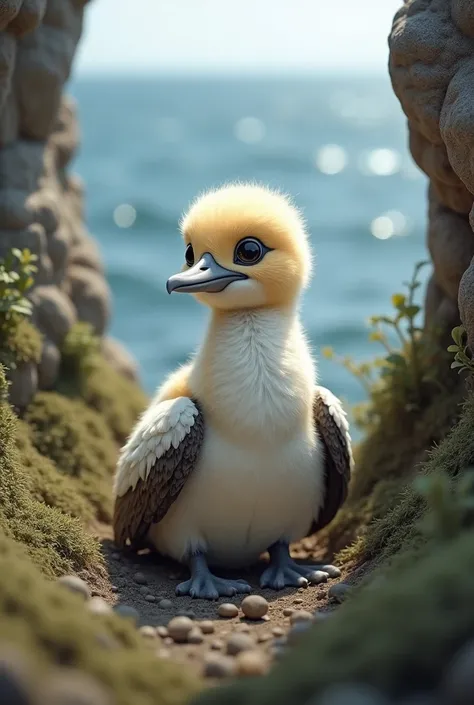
x=328 y=353
x=376 y=336
x=398 y=300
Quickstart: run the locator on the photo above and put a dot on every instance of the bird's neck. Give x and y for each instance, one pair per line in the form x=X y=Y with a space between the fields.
x=254 y=371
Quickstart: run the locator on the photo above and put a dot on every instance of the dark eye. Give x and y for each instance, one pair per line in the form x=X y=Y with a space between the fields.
x=189 y=255
x=249 y=251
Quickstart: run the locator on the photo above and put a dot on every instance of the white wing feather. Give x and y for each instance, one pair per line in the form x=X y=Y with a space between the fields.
x=162 y=425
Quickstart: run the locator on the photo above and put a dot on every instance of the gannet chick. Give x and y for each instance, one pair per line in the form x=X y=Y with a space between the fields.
x=239 y=452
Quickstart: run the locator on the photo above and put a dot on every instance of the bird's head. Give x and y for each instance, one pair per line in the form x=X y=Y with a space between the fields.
x=245 y=247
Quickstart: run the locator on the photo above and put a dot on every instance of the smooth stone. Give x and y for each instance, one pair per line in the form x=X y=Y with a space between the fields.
x=278 y=631
x=301 y=616
x=97 y=605
x=75 y=584
x=250 y=663
x=217 y=666
x=144 y=590
x=179 y=628
x=162 y=631
x=140 y=579
x=254 y=606
x=287 y=612
x=165 y=604
x=127 y=612
x=148 y=632
x=217 y=644
x=239 y=642
x=150 y=598
x=195 y=636
x=207 y=627
x=227 y=610
x=339 y=592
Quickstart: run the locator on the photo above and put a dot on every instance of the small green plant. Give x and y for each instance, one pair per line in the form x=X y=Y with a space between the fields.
x=398 y=377
x=16 y=278
x=462 y=356
x=450 y=503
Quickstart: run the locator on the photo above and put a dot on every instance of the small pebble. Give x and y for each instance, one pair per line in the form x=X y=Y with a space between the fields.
x=144 y=590
x=139 y=578
x=179 y=628
x=97 y=605
x=250 y=663
x=339 y=592
x=165 y=604
x=75 y=584
x=297 y=631
x=186 y=613
x=254 y=606
x=207 y=627
x=301 y=616
x=127 y=612
x=458 y=682
x=114 y=588
x=332 y=571
x=168 y=641
x=217 y=666
x=150 y=598
x=162 y=631
x=227 y=610
x=278 y=631
x=195 y=636
x=298 y=601
x=287 y=612
x=217 y=644
x=317 y=577
x=148 y=632
x=245 y=628
x=239 y=642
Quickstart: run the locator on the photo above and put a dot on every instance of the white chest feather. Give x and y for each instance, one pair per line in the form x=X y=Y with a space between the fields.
x=260 y=474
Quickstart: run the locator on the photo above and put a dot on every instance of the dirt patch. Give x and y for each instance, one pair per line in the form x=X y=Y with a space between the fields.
x=147 y=583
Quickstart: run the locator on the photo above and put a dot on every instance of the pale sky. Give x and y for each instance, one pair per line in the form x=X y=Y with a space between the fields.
x=143 y=36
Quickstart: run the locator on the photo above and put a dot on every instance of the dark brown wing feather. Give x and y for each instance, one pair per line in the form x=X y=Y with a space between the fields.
x=149 y=502
x=333 y=431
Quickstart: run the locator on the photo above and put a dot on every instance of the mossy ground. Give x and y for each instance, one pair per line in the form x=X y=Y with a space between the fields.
x=53 y=627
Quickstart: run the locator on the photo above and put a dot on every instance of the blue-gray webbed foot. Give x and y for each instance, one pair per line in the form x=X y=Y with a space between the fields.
x=206 y=586
x=283 y=571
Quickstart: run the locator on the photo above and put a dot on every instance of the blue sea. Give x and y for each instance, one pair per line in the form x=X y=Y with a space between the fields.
x=338 y=145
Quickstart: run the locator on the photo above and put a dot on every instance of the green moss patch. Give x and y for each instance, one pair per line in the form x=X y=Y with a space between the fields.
x=80 y=444
x=396 y=636
x=87 y=375
x=54 y=628
x=20 y=343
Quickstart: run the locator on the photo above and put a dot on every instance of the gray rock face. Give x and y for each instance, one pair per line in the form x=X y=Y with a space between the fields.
x=41 y=204
x=431 y=67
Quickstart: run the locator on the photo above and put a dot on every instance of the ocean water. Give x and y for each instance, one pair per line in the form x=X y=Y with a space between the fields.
x=338 y=145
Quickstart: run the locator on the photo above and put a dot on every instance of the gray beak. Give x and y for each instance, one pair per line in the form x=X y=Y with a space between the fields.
x=205 y=275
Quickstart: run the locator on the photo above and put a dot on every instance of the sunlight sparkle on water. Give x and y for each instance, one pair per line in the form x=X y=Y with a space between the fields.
x=331 y=159
x=381 y=162
x=250 y=130
x=389 y=224
x=124 y=215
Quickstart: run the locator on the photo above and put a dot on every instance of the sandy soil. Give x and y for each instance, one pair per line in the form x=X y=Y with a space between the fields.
x=143 y=581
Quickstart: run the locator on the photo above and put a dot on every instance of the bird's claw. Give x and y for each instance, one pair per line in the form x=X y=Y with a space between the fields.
x=209 y=587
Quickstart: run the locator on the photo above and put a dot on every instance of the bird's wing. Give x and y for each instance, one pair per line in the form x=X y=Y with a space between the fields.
x=333 y=431
x=154 y=465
